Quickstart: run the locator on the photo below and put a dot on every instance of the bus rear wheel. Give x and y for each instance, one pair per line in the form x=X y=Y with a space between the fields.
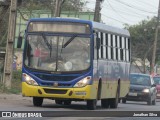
x=37 y=101
x=114 y=101
x=59 y=102
x=91 y=104
x=105 y=103
x=124 y=100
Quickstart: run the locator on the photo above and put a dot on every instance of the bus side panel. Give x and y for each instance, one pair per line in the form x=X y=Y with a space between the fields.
x=110 y=72
x=125 y=82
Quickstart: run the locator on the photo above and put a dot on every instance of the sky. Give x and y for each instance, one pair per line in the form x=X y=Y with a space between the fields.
x=119 y=12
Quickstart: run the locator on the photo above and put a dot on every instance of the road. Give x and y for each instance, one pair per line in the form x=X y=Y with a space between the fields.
x=22 y=104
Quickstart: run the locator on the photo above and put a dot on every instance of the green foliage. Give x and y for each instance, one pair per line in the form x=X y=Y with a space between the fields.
x=73 y=5
x=16 y=84
x=142 y=37
x=4 y=17
x=1 y=87
x=29 y=5
x=17 y=74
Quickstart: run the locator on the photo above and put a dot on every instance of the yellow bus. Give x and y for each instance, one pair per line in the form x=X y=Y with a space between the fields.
x=75 y=60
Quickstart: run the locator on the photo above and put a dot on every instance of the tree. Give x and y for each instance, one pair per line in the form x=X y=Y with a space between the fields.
x=74 y=5
x=30 y=5
x=142 y=37
x=4 y=17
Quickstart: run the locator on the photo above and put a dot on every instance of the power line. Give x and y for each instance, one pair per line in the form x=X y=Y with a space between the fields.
x=109 y=17
x=117 y=12
x=113 y=19
x=135 y=7
x=131 y=13
x=150 y=5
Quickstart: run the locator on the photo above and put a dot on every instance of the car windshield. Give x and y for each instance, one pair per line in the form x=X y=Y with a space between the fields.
x=140 y=80
x=156 y=80
x=57 y=53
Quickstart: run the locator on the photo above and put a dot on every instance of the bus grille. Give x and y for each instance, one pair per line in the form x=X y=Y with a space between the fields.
x=53 y=91
x=59 y=84
x=55 y=78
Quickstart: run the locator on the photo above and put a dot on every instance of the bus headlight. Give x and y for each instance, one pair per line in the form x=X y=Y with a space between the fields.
x=82 y=83
x=29 y=80
x=146 y=90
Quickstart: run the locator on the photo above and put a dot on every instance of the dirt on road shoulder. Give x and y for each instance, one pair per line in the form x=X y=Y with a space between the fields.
x=10 y=96
x=13 y=98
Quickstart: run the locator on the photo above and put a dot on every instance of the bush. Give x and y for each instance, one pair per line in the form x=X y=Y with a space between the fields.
x=16 y=84
x=17 y=74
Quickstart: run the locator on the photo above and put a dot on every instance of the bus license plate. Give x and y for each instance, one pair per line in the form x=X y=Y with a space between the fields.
x=132 y=94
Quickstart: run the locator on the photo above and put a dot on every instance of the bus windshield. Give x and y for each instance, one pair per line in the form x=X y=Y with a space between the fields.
x=57 y=53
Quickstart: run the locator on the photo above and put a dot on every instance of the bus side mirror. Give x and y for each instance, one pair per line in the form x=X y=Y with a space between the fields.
x=98 y=43
x=19 y=42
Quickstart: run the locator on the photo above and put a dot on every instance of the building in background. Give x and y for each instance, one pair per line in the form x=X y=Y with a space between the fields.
x=21 y=22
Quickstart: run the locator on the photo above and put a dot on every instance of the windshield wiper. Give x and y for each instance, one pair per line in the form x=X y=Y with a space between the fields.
x=47 y=43
x=70 y=40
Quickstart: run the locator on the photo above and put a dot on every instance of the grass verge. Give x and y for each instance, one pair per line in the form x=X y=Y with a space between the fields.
x=15 y=86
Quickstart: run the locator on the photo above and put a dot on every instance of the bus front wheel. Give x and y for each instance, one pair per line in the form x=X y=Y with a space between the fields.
x=67 y=102
x=91 y=104
x=60 y=102
x=37 y=101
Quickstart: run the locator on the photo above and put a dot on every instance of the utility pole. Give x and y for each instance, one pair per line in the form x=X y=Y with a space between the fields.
x=97 y=10
x=155 y=41
x=58 y=5
x=10 y=44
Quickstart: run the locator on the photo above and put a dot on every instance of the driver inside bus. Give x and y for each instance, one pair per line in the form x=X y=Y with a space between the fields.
x=80 y=59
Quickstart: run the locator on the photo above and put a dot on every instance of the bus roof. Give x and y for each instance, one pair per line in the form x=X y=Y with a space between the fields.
x=110 y=29
x=95 y=25
x=60 y=19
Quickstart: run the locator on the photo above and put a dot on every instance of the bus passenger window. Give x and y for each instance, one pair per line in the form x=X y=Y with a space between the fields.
x=102 y=45
x=123 y=42
x=120 y=41
x=121 y=54
x=124 y=54
x=106 y=39
x=116 y=41
x=99 y=51
x=127 y=55
x=116 y=53
x=111 y=52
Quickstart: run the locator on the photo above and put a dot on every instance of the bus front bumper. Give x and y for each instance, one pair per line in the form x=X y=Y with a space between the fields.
x=83 y=93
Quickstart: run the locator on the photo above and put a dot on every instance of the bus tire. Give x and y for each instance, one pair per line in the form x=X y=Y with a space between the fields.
x=91 y=104
x=124 y=100
x=105 y=103
x=37 y=101
x=67 y=102
x=59 y=102
x=114 y=101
